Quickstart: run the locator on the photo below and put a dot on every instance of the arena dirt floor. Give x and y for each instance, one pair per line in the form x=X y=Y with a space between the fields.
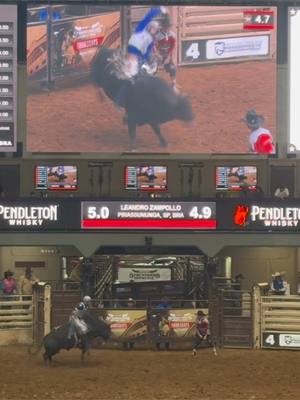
x=135 y=375
x=76 y=120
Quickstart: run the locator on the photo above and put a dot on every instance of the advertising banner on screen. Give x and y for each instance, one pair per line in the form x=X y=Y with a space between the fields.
x=73 y=46
x=126 y=324
x=91 y=89
x=237 y=47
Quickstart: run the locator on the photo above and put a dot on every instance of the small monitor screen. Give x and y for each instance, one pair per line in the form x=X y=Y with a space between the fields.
x=236 y=178
x=146 y=177
x=61 y=177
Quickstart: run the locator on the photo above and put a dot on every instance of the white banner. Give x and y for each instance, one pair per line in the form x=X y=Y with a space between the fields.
x=144 y=274
x=237 y=47
x=289 y=340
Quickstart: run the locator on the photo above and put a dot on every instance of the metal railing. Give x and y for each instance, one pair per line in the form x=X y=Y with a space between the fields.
x=16 y=312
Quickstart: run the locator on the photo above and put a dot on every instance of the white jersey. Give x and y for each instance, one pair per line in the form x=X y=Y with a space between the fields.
x=254 y=135
x=141 y=41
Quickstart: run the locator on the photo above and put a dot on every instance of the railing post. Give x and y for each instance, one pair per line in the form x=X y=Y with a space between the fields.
x=256 y=317
x=47 y=309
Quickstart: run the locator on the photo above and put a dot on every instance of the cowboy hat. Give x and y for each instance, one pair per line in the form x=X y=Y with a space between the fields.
x=252 y=119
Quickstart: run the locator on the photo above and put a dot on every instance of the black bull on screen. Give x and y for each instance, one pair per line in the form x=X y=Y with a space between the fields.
x=148 y=100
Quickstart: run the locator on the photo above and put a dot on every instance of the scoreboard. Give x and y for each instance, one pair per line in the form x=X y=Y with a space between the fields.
x=148 y=215
x=8 y=77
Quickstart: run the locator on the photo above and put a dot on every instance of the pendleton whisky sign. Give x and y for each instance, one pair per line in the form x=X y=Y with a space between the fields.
x=39 y=215
x=259 y=216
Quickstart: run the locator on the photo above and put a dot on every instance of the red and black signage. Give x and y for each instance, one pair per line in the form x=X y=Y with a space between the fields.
x=170 y=215
x=258 y=19
x=267 y=216
x=239 y=215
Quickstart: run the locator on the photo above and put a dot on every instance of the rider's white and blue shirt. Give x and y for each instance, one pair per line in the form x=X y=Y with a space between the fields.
x=141 y=42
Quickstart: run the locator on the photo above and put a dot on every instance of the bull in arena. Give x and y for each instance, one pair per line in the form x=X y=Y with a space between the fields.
x=147 y=100
x=58 y=338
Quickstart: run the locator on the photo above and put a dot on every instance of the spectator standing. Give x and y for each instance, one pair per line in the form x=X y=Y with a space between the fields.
x=278 y=285
x=27 y=282
x=282 y=193
x=9 y=285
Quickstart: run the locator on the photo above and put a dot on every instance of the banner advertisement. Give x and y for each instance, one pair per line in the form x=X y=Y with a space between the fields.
x=39 y=215
x=259 y=216
x=143 y=274
x=237 y=47
x=126 y=324
x=175 y=323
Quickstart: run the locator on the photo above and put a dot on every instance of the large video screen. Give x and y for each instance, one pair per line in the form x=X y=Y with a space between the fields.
x=175 y=79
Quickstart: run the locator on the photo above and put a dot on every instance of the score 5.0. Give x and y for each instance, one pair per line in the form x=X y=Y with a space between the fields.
x=100 y=213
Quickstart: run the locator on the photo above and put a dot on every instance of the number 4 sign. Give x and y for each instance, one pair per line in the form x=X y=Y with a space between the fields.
x=270 y=339
x=193 y=51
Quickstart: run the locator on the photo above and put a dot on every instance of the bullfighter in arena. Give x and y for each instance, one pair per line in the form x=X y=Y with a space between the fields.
x=202 y=330
x=260 y=139
x=165 y=41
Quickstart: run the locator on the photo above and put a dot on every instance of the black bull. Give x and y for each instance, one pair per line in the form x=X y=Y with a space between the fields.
x=58 y=339
x=148 y=100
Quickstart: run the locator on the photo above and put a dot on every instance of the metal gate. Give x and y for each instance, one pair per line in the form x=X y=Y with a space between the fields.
x=62 y=304
x=233 y=319
x=280 y=322
x=41 y=312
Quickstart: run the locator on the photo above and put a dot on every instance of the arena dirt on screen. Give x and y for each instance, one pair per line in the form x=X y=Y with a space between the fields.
x=77 y=119
x=135 y=375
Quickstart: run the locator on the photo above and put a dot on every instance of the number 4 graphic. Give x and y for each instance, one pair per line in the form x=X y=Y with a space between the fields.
x=193 y=51
x=270 y=340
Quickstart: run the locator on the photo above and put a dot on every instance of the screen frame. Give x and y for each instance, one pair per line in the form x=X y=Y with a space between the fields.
x=57 y=189
x=164 y=154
